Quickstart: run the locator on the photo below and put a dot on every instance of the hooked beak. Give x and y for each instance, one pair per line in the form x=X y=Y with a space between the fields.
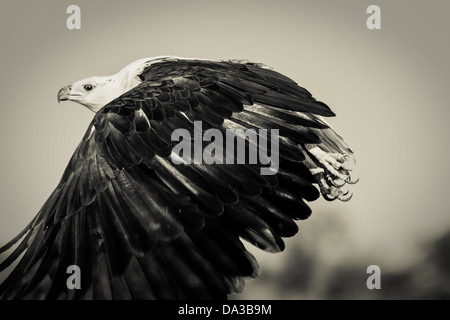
x=64 y=93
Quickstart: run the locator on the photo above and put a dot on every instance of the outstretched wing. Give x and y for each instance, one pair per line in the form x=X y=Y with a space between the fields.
x=139 y=226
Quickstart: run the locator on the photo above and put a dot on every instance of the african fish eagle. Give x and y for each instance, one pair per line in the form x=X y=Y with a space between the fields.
x=138 y=225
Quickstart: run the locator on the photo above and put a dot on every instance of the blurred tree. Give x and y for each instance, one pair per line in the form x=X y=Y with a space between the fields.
x=305 y=274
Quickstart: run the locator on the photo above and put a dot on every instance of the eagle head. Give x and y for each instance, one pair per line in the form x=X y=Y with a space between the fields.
x=96 y=92
x=93 y=92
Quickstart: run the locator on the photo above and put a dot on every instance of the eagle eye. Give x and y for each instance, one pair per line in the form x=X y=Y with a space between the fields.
x=88 y=87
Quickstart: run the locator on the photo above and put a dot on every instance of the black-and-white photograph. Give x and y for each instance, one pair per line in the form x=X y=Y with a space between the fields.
x=225 y=150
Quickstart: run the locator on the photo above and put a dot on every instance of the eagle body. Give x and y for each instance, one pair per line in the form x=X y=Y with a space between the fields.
x=141 y=226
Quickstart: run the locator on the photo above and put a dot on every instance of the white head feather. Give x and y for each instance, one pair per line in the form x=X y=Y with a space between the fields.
x=96 y=92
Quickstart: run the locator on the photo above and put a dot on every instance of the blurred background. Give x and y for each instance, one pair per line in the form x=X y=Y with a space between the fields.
x=388 y=88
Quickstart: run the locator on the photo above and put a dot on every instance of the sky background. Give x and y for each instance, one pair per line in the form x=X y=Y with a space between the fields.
x=388 y=87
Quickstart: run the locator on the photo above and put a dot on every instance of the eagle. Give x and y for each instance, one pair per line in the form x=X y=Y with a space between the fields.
x=139 y=225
